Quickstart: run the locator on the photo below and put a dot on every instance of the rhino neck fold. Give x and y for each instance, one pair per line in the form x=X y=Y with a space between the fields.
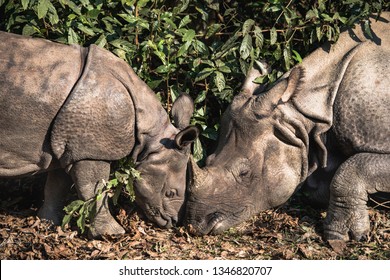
x=151 y=120
x=317 y=94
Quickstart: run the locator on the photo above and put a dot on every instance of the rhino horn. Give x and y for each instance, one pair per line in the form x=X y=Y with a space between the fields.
x=197 y=175
x=258 y=69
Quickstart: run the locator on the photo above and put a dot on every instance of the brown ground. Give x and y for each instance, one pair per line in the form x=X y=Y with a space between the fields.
x=290 y=232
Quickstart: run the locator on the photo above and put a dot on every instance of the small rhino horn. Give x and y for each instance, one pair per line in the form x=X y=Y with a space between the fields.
x=197 y=175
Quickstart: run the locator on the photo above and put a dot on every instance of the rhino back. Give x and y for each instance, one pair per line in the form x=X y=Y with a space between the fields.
x=98 y=120
x=362 y=106
x=36 y=77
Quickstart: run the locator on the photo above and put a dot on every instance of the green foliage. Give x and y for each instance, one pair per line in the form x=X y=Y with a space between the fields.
x=121 y=182
x=202 y=47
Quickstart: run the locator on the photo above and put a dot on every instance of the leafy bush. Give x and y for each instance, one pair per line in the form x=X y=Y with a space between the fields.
x=121 y=183
x=201 y=47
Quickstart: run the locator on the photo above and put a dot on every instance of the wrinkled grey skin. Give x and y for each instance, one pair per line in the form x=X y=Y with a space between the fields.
x=70 y=111
x=327 y=121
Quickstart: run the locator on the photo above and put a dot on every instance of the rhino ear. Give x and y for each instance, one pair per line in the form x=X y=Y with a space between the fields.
x=182 y=110
x=187 y=136
x=294 y=80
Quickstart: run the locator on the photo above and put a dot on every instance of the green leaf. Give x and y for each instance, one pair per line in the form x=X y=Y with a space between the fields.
x=273 y=36
x=196 y=62
x=29 y=30
x=72 y=36
x=94 y=13
x=278 y=52
x=367 y=29
x=210 y=133
x=73 y=206
x=327 y=17
x=200 y=47
x=184 y=21
x=72 y=6
x=247 y=26
x=184 y=48
x=200 y=97
x=219 y=80
x=43 y=8
x=212 y=29
x=53 y=16
x=66 y=219
x=170 y=23
x=81 y=223
x=224 y=69
x=155 y=83
x=142 y=3
x=101 y=41
x=189 y=35
x=319 y=33
x=246 y=47
x=115 y=197
x=329 y=33
x=228 y=45
x=162 y=69
x=311 y=14
x=261 y=79
x=287 y=57
x=86 y=29
x=197 y=150
x=161 y=56
x=297 y=57
x=25 y=4
x=123 y=45
x=244 y=66
x=204 y=74
x=259 y=37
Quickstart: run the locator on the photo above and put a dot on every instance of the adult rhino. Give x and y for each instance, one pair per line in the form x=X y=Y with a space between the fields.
x=337 y=99
x=70 y=111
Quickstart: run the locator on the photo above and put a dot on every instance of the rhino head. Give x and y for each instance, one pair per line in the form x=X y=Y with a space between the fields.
x=162 y=163
x=259 y=161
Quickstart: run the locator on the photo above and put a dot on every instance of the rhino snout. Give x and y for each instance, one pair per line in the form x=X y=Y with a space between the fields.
x=209 y=225
x=161 y=218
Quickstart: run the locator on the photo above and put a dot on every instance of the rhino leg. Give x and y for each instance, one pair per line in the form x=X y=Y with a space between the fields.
x=87 y=176
x=359 y=176
x=57 y=185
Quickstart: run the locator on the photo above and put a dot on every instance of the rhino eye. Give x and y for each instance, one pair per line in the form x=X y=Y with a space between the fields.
x=244 y=173
x=171 y=193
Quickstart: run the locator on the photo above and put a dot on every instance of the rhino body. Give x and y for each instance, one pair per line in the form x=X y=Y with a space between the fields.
x=70 y=111
x=326 y=122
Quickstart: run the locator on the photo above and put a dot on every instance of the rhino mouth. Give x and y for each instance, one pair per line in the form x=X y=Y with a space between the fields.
x=217 y=222
x=155 y=215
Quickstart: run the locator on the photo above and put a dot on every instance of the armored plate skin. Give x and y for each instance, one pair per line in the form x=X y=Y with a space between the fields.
x=325 y=124
x=70 y=111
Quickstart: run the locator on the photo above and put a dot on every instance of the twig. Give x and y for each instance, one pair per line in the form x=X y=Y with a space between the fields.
x=380 y=204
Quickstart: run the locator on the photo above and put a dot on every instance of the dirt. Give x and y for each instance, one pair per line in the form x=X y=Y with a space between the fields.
x=293 y=231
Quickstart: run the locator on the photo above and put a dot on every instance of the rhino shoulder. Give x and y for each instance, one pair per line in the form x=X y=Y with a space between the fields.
x=97 y=119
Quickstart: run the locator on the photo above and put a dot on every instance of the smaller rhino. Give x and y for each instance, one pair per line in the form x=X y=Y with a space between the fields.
x=70 y=111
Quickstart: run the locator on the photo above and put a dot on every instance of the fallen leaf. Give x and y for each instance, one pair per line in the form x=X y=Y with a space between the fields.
x=338 y=245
